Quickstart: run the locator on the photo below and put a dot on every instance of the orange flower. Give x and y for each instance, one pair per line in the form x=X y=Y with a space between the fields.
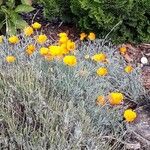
x=10 y=59
x=41 y=39
x=70 y=45
x=115 y=98
x=91 y=36
x=55 y=50
x=70 y=60
x=30 y=49
x=83 y=36
x=44 y=51
x=123 y=50
x=62 y=34
x=64 y=48
x=28 y=31
x=63 y=39
x=128 y=69
x=36 y=25
x=99 y=57
x=100 y=100
x=13 y=39
x=102 y=71
x=129 y=115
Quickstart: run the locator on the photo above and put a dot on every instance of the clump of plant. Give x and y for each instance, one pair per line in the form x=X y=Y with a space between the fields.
x=63 y=94
x=10 y=11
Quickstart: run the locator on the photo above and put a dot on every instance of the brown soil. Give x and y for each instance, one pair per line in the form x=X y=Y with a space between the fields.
x=134 y=55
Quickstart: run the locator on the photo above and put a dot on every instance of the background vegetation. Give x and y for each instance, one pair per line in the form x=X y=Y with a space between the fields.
x=10 y=18
x=130 y=17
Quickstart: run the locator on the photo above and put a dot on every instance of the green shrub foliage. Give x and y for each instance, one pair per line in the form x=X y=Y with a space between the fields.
x=103 y=15
x=10 y=18
x=57 y=8
x=129 y=17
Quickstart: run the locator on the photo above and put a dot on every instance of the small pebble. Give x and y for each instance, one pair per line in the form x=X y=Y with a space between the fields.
x=144 y=60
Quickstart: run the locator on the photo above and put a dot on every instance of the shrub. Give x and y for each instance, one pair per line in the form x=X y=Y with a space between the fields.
x=103 y=15
x=128 y=19
x=57 y=9
x=10 y=11
x=47 y=104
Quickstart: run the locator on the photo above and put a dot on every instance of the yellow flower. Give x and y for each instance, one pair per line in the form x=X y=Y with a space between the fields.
x=64 y=48
x=128 y=69
x=100 y=100
x=87 y=56
x=83 y=36
x=123 y=50
x=10 y=59
x=102 y=71
x=36 y=25
x=70 y=45
x=91 y=36
x=28 y=31
x=30 y=49
x=115 y=98
x=1 y=38
x=63 y=39
x=13 y=40
x=41 y=39
x=70 y=60
x=44 y=51
x=129 y=115
x=62 y=34
x=55 y=50
x=99 y=57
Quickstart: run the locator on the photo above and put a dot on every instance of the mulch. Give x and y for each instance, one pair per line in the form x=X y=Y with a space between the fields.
x=135 y=53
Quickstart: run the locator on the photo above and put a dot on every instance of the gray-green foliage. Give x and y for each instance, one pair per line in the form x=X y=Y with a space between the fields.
x=47 y=105
x=42 y=119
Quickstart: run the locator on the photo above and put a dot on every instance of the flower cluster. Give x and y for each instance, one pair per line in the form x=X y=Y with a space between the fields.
x=63 y=49
x=114 y=98
x=91 y=36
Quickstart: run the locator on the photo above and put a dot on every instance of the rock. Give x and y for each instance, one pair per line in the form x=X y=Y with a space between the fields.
x=135 y=146
x=146 y=76
x=141 y=128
